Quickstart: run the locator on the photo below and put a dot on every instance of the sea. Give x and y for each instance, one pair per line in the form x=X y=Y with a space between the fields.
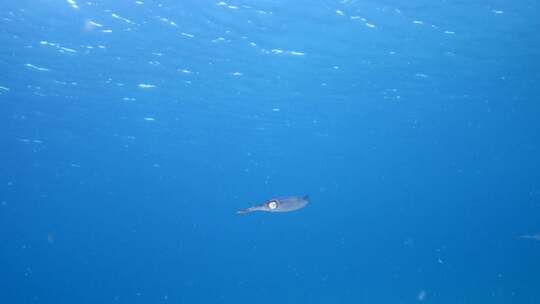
x=132 y=131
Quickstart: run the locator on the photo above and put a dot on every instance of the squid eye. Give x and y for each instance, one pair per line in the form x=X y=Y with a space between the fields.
x=272 y=205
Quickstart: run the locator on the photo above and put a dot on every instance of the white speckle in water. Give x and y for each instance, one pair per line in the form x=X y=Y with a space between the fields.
x=31 y=141
x=276 y=109
x=36 y=67
x=149 y=119
x=497 y=12
x=418 y=22
x=449 y=32
x=218 y=39
x=60 y=48
x=340 y=13
x=237 y=74
x=64 y=49
x=72 y=3
x=121 y=18
x=370 y=25
x=146 y=86
x=296 y=53
x=187 y=35
x=92 y=23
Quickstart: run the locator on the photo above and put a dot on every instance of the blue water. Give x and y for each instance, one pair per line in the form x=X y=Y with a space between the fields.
x=132 y=131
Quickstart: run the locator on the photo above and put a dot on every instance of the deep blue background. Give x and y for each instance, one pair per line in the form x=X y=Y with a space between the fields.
x=415 y=130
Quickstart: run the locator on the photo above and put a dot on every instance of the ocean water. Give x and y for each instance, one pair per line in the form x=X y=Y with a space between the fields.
x=132 y=131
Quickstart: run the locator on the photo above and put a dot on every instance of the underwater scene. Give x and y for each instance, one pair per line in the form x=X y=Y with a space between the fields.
x=270 y=151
